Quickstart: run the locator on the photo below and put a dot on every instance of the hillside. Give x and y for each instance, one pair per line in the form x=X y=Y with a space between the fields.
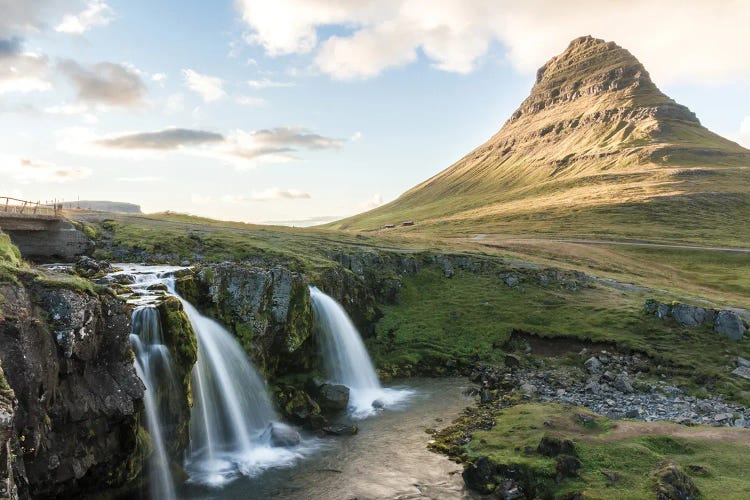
x=596 y=150
x=103 y=206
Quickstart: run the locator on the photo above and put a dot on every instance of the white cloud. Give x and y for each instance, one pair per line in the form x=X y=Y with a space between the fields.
x=373 y=202
x=27 y=171
x=250 y=101
x=356 y=136
x=677 y=40
x=73 y=109
x=96 y=13
x=267 y=195
x=105 y=84
x=143 y=179
x=266 y=83
x=22 y=71
x=210 y=88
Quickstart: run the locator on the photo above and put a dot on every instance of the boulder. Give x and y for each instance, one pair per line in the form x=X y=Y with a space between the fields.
x=688 y=316
x=672 y=483
x=593 y=365
x=480 y=476
x=567 y=466
x=551 y=446
x=378 y=404
x=333 y=398
x=742 y=372
x=622 y=383
x=729 y=324
x=282 y=435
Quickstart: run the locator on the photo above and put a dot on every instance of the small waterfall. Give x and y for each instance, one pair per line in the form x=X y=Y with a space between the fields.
x=346 y=358
x=154 y=366
x=232 y=420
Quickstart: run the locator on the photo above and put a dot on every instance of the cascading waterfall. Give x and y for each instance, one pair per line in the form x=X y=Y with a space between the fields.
x=154 y=366
x=234 y=429
x=346 y=359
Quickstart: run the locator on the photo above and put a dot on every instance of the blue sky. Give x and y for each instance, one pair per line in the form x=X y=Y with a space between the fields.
x=298 y=110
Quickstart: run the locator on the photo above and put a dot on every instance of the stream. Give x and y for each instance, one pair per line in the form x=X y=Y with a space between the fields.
x=387 y=459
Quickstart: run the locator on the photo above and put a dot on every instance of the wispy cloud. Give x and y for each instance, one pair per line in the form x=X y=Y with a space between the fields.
x=143 y=179
x=105 y=83
x=210 y=88
x=266 y=83
x=374 y=202
x=271 y=194
x=96 y=13
x=27 y=170
x=250 y=101
x=22 y=71
x=171 y=138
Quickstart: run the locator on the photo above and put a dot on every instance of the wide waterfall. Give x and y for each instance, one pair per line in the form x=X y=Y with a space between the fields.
x=154 y=367
x=347 y=361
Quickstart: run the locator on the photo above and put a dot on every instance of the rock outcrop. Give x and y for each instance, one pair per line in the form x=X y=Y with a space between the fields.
x=67 y=358
x=269 y=310
x=726 y=322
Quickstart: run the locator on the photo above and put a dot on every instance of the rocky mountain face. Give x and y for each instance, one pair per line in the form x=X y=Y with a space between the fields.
x=75 y=396
x=594 y=131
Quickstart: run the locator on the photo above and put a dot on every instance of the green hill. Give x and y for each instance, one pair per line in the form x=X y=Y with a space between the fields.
x=596 y=150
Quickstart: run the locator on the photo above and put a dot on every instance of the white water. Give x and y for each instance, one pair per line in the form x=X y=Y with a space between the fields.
x=153 y=365
x=347 y=361
x=231 y=414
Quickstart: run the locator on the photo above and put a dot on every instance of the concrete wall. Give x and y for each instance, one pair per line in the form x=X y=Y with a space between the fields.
x=49 y=239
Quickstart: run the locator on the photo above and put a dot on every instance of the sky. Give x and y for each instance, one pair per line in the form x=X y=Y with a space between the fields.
x=304 y=111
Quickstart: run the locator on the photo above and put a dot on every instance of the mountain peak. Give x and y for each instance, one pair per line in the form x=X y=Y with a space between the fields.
x=594 y=131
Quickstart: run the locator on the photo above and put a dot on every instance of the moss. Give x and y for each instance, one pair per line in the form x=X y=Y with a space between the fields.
x=633 y=464
x=182 y=343
x=6 y=391
x=68 y=282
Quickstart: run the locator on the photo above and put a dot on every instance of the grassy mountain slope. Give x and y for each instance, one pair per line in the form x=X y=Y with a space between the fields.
x=596 y=149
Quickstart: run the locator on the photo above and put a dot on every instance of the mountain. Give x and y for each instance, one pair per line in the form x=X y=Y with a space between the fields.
x=596 y=150
x=103 y=206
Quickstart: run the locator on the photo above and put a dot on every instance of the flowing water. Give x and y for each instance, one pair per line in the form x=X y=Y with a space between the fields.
x=347 y=361
x=154 y=366
x=387 y=459
x=232 y=421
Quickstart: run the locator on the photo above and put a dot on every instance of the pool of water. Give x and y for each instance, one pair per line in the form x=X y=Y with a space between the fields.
x=387 y=459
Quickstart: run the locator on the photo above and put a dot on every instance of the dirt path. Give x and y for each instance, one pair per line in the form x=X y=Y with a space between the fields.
x=488 y=239
x=624 y=430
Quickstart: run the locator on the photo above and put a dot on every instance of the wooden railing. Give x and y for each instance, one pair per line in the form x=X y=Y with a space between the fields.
x=16 y=206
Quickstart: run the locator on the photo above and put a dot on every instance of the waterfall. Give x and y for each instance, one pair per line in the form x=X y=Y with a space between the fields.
x=232 y=422
x=234 y=429
x=153 y=365
x=346 y=359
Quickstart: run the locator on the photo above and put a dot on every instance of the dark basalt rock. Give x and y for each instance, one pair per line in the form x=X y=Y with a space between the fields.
x=333 y=398
x=67 y=356
x=341 y=430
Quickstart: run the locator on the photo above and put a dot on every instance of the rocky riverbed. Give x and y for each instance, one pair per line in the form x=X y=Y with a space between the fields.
x=611 y=384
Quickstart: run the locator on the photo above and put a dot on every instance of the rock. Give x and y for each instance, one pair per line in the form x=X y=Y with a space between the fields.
x=333 y=398
x=528 y=389
x=378 y=404
x=622 y=383
x=551 y=446
x=593 y=387
x=282 y=435
x=341 y=430
x=672 y=483
x=662 y=311
x=729 y=324
x=612 y=477
x=742 y=362
x=632 y=413
x=512 y=361
x=297 y=406
x=742 y=372
x=593 y=365
x=723 y=417
x=567 y=466
x=510 y=279
x=688 y=316
x=480 y=476
x=88 y=267
x=66 y=354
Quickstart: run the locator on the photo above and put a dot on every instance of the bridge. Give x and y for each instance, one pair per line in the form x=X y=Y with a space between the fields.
x=40 y=231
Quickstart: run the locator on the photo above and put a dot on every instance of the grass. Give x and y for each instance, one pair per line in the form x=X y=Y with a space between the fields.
x=716 y=459
x=471 y=316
